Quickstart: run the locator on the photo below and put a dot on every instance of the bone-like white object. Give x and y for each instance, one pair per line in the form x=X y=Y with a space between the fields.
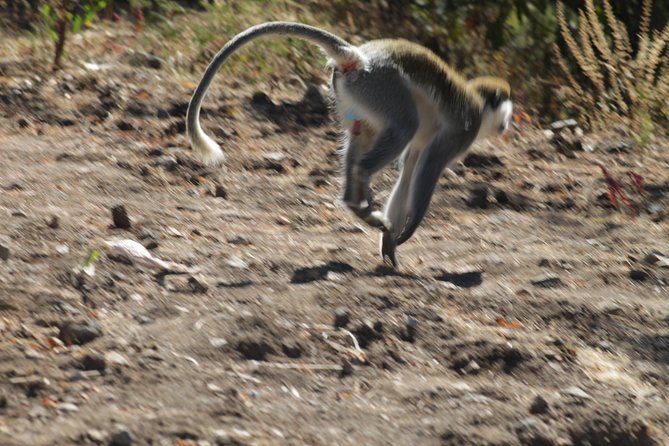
x=140 y=255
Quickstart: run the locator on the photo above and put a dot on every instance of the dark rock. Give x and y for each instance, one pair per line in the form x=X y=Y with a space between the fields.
x=291 y=348
x=312 y=274
x=314 y=102
x=621 y=147
x=367 y=333
x=138 y=109
x=547 y=281
x=478 y=197
x=122 y=437
x=198 y=285
x=220 y=192
x=125 y=125
x=607 y=427
x=13 y=185
x=4 y=248
x=262 y=102
x=66 y=122
x=158 y=151
x=3 y=402
x=120 y=217
x=79 y=333
x=23 y=122
x=341 y=317
x=168 y=162
x=512 y=200
x=539 y=405
x=176 y=128
x=140 y=59
x=477 y=160
x=532 y=431
x=639 y=275
x=346 y=368
x=472 y=368
x=410 y=329
x=467 y=279
x=255 y=349
x=93 y=361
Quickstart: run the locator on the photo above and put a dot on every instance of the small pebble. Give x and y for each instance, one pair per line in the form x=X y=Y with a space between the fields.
x=346 y=368
x=31 y=353
x=411 y=327
x=93 y=361
x=218 y=342
x=4 y=248
x=115 y=358
x=168 y=162
x=96 y=436
x=576 y=391
x=604 y=345
x=220 y=192
x=68 y=407
x=236 y=262
x=539 y=405
x=54 y=222
x=122 y=437
x=291 y=348
x=341 y=317
x=547 y=281
x=639 y=275
x=472 y=368
x=239 y=240
x=79 y=332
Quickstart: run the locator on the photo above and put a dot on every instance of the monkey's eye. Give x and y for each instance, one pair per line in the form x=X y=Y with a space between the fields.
x=495 y=99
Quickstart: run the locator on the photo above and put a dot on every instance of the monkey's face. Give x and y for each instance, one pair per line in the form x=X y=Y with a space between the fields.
x=501 y=108
x=497 y=114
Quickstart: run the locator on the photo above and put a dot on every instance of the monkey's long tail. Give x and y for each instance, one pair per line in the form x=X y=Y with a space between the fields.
x=340 y=50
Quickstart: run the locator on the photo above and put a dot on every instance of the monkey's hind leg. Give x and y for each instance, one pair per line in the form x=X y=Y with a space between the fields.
x=357 y=194
x=387 y=102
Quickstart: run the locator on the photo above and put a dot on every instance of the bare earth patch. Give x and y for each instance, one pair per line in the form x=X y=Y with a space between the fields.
x=526 y=310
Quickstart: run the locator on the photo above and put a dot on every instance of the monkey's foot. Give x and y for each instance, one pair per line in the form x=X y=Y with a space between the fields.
x=388 y=247
x=377 y=220
x=363 y=210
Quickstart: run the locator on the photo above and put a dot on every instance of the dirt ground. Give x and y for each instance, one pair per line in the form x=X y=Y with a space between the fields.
x=526 y=310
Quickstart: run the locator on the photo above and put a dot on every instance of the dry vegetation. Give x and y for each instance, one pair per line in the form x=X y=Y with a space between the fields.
x=615 y=80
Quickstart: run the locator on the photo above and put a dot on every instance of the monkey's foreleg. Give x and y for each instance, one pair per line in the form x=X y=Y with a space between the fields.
x=397 y=207
x=443 y=148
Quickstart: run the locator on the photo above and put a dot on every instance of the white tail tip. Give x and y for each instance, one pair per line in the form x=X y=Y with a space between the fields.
x=207 y=149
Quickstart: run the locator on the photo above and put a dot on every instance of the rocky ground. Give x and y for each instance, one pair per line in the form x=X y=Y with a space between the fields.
x=147 y=299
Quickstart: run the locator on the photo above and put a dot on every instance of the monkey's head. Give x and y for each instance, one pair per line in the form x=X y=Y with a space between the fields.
x=497 y=104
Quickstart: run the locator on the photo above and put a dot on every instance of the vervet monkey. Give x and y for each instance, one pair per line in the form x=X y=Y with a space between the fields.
x=394 y=99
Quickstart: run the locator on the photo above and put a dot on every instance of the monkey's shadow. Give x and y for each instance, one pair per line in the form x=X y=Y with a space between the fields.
x=468 y=279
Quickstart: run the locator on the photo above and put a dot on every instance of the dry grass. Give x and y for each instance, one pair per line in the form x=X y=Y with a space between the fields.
x=613 y=82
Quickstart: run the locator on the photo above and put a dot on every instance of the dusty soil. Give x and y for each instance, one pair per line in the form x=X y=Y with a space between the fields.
x=526 y=310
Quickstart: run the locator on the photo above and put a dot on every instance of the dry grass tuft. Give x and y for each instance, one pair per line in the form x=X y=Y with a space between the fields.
x=612 y=82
